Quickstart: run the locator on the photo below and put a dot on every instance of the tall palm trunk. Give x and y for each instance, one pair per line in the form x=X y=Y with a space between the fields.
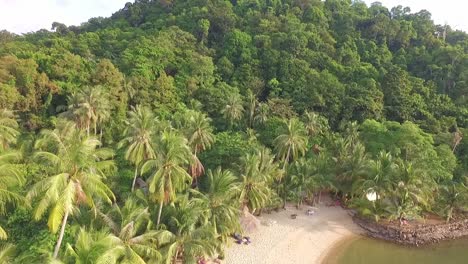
x=286 y=160
x=196 y=160
x=215 y=227
x=159 y=213
x=62 y=231
x=175 y=256
x=88 y=128
x=134 y=177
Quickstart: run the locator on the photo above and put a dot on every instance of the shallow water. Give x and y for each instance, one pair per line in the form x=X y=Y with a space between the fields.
x=369 y=251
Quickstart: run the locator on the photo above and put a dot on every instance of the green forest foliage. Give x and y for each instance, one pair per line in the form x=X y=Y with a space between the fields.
x=140 y=138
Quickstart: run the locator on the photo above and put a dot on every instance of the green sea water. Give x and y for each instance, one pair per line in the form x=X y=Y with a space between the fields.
x=370 y=251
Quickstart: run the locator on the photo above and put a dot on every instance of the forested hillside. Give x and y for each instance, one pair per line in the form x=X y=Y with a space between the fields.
x=139 y=138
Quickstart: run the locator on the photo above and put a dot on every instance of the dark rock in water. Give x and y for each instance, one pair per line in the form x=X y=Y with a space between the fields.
x=414 y=235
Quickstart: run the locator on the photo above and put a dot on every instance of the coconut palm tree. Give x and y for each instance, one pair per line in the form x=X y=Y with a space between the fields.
x=134 y=241
x=322 y=174
x=351 y=132
x=300 y=181
x=77 y=111
x=168 y=175
x=351 y=163
x=233 y=110
x=314 y=123
x=77 y=167
x=378 y=178
x=261 y=113
x=89 y=107
x=268 y=167
x=453 y=195
x=456 y=139
x=7 y=254
x=102 y=114
x=257 y=173
x=219 y=190
x=91 y=247
x=192 y=238
x=293 y=143
x=372 y=188
x=138 y=137
x=68 y=111
x=199 y=133
x=410 y=192
x=8 y=129
x=251 y=106
x=10 y=177
x=98 y=105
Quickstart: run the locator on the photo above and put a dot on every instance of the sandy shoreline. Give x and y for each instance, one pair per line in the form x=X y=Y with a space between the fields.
x=305 y=240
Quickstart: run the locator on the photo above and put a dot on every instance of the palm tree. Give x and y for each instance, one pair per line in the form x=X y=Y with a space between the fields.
x=379 y=176
x=454 y=195
x=219 y=189
x=77 y=169
x=168 y=175
x=138 y=137
x=292 y=143
x=102 y=114
x=134 y=241
x=77 y=111
x=7 y=254
x=192 y=238
x=251 y=135
x=375 y=180
x=233 y=110
x=262 y=113
x=268 y=166
x=98 y=105
x=308 y=177
x=73 y=111
x=10 y=177
x=300 y=181
x=322 y=174
x=88 y=108
x=251 y=106
x=351 y=163
x=91 y=247
x=199 y=133
x=314 y=123
x=8 y=129
x=456 y=139
x=410 y=192
x=258 y=172
x=352 y=132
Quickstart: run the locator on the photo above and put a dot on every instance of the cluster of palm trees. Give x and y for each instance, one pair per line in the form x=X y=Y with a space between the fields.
x=176 y=210
x=89 y=108
x=390 y=186
x=201 y=211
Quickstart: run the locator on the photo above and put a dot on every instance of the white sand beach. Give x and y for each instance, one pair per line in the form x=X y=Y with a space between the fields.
x=304 y=240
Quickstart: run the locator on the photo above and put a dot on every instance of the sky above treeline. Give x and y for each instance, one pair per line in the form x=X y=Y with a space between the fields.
x=22 y=16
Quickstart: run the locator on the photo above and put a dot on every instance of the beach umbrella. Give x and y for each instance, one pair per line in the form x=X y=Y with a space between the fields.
x=248 y=221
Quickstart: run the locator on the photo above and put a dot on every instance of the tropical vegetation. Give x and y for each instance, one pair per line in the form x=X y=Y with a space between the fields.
x=143 y=137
